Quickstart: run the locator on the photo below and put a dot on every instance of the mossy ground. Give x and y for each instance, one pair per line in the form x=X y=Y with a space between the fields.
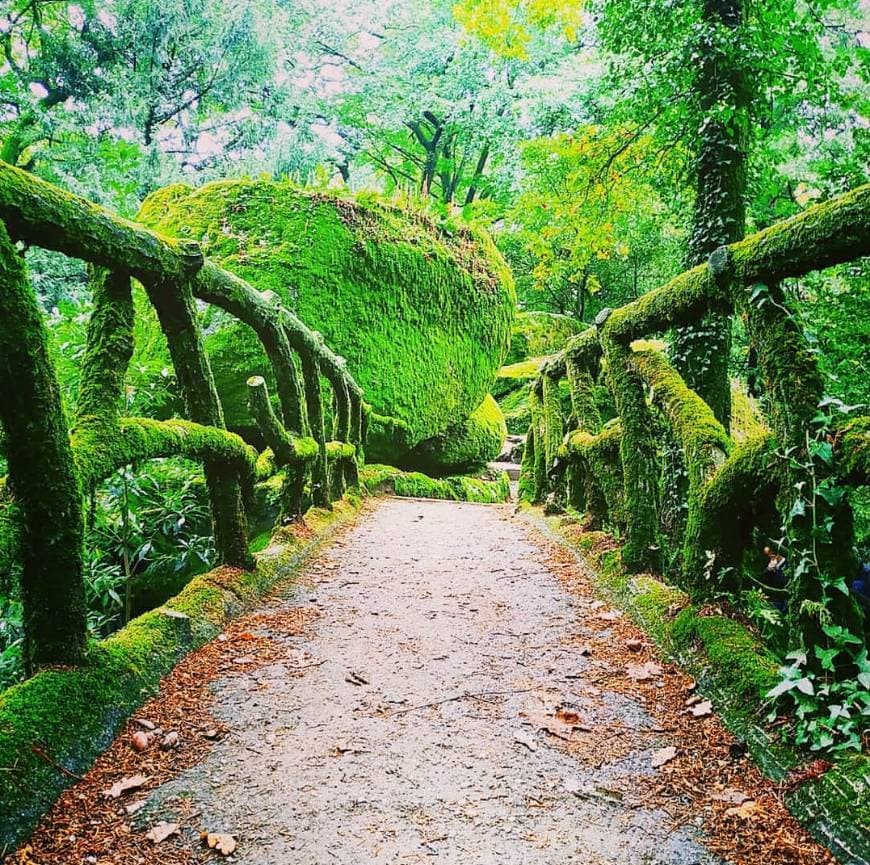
x=380 y=479
x=421 y=313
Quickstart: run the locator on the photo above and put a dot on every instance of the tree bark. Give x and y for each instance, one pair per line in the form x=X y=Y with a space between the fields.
x=700 y=351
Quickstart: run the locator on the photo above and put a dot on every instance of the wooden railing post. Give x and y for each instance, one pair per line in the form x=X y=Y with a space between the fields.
x=174 y=305
x=41 y=475
x=314 y=401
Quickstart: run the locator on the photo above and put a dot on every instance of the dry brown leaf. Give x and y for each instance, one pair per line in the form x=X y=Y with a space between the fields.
x=745 y=811
x=162 y=831
x=730 y=796
x=702 y=709
x=643 y=672
x=131 y=782
x=224 y=844
x=663 y=755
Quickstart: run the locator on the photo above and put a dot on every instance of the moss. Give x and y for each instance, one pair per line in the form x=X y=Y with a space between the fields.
x=41 y=475
x=538 y=333
x=516 y=375
x=101 y=448
x=730 y=508
x=467 y=447
x=526 y=487
x=853 y=451
x=515 y=408
x=379 y=479
x=638 y=454
x=421 y=314
x=600 y=489
x=703 y=442
x=746 y=418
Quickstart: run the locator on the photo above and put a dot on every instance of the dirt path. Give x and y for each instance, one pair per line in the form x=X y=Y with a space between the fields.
x=456 y=699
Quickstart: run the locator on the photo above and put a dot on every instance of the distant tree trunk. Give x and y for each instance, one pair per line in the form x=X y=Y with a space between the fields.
x=471 y=194
x=700 y=352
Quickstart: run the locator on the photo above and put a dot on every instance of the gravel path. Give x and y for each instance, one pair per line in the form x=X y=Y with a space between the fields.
x=447 y=674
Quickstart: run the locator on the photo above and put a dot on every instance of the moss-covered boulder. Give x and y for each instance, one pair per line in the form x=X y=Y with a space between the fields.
x=537 y=333
x=422 y=312
x=465 y=447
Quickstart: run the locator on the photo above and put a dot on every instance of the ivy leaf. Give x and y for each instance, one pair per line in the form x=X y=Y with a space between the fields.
x=805 y=686
x=826 y=657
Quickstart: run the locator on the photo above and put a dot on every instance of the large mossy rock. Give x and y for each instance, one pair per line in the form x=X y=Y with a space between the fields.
x=464 y=447
x=421 y=312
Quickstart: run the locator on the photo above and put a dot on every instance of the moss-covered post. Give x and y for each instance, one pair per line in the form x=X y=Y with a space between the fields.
x=582 y=389
x=702 y=441
x=794 y=387
x=637 y=448
x=343 y=433
x=109 y=347
x=538 y=455
x=41 y=476
x=356 y=416
x=314 y=401
x=173 y=302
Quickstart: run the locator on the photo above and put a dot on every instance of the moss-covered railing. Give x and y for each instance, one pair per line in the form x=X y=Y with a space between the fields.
x=613 y=472
x=51 y=469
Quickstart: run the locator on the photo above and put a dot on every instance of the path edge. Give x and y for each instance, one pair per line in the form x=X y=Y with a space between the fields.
x=734 y=671
x=54 y=725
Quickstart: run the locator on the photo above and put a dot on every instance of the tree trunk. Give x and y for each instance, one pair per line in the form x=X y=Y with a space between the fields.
x=700 y=351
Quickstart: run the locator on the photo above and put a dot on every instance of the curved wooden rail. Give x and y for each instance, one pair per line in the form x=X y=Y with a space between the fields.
x=50 y=470
x=572 y=459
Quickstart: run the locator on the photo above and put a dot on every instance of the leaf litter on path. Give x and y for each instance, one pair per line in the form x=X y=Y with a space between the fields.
x=700 y=770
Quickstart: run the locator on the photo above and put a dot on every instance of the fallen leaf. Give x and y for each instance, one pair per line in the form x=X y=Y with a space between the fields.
x=170 y=740
x=162 y=831
x=745 y=811
x=702 y=709
x=224 y=844
x=643 y=672
x=131 y=782
x=663 y=755
x=246 y=635
x=138 y=805
x=730 y=796
x=568 y=716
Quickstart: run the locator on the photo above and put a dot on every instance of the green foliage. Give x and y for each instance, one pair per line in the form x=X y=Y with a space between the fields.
x=831 y=712
x=590 y=217
x=421 y=312
x=535 y=334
